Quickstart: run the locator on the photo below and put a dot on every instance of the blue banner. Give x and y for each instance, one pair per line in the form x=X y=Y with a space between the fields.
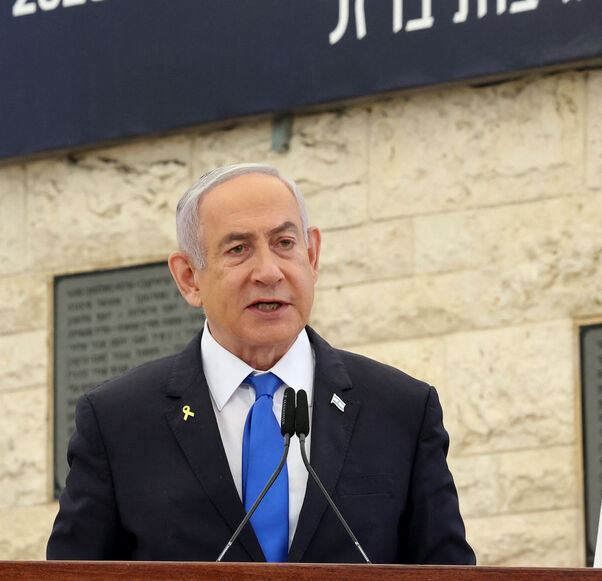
x=75 y=72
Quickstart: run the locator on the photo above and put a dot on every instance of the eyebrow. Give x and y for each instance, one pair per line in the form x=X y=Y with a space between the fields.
x=288 y=225
x=242 y=236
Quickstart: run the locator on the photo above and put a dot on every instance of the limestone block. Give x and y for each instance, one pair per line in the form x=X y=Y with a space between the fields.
x=245 y=142
x=467 y=147
x=13 y=225
x=413 y=307
x=23 y=303
x=551 y=274
x=387 y=310
x=157 y=156
x=23 y=360
x=24 y=532
x=106 y=206
x=327 y=158
x=329 y=150
x=337 y=207
x=541 y=479
x=552 y=245
x=541 y=259
x=476 y=481
x=593 y=128
x=420 y=358
x=448 y=242
x=370 y=252
x=513 y=388
x=517 y=482
x=539 y=539
x=23 y=442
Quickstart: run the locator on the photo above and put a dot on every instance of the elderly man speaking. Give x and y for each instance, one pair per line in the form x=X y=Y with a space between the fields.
x=167 y=458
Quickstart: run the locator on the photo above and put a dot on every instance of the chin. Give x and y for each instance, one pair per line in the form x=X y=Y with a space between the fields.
x=277 y=336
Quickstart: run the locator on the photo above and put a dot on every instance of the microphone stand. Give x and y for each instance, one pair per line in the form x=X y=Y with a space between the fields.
x=330 y=501
x=245 y=520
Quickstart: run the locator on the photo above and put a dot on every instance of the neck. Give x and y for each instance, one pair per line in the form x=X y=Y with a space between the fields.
x=263 y=359
x=259 y=357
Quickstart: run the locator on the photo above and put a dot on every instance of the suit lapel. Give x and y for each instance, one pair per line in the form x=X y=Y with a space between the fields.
x=331 y=435
x=199 y=438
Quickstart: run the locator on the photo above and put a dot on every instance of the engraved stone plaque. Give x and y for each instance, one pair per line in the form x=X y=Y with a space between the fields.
x=107 y=322
x=591 y=374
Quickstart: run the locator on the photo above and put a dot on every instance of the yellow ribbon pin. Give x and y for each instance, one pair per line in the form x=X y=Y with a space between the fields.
x=187 y=412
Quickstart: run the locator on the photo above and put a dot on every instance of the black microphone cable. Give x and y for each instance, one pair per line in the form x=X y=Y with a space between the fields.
x=287 y=428
x=302 y=430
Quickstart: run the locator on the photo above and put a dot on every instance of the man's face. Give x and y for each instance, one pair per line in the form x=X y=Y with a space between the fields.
x=257 y=286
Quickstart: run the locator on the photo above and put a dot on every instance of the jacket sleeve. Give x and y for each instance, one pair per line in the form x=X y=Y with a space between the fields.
x=432 y=530
x=87 y=526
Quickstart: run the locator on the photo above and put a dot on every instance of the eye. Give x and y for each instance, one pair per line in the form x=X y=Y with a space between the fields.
x=238 y=249
x=286 y=243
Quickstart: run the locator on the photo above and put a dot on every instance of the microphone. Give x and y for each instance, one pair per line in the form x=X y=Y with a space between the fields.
x=287 y=428
x=287 y=417
x=302 y=430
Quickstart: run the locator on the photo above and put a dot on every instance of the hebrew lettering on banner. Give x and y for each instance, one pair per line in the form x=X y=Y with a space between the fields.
x=426 y=19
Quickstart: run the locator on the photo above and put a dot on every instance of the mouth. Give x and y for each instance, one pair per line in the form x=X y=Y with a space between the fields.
x=267 y=306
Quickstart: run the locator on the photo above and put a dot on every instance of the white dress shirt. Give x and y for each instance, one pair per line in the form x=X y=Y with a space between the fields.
x=232 y=401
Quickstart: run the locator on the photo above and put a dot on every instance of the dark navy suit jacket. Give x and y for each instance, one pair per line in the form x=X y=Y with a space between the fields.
x=146 y=485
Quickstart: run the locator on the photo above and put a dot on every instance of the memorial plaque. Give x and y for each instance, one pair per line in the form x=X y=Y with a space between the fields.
x=591 y=386
x=107 y=322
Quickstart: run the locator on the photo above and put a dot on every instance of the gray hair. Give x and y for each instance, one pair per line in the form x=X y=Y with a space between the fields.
x=188 y=222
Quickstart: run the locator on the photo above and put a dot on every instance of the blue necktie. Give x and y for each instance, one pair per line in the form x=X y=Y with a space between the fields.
x=262 y=448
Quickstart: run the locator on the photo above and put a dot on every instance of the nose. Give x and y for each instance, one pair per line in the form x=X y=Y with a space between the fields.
x=266 y=269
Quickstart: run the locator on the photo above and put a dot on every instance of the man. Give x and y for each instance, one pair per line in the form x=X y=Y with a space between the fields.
x=161 y=459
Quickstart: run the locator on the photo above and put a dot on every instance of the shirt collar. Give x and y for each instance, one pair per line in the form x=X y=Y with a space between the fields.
x=225 y=372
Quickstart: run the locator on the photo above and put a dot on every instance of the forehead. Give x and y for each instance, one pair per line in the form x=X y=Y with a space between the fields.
x=251 y=199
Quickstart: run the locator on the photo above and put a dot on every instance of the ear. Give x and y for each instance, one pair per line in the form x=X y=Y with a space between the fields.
x=314 y=240
x=183 y=271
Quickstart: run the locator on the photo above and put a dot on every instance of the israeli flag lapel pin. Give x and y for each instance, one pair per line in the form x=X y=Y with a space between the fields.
x=338 y=402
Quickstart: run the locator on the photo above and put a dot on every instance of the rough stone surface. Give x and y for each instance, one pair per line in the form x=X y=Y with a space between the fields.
x=23 y=466
x=338 y=207
x=395 y=309
x=24 y=532
x=333 y=145
x=538 y=539
x=23 y=360
x=515 y=482
x=529 y=291
x=513 y=388
x=593 y=128
x=371 y=252
x=476 y=481
x=13 y=249
x=23 y=303
x=541 y=479
x=100 y=207
x=475 y=147
x=549 y=243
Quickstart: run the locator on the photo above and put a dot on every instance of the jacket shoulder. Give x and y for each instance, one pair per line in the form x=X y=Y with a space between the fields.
x=364 y=370
x=366 y=374
x=362 y=364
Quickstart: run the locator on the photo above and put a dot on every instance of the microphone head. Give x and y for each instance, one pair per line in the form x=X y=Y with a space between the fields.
x=302 y=414
x=287 y=420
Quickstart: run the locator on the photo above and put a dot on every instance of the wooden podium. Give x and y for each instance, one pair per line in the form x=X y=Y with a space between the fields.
x=146 y=571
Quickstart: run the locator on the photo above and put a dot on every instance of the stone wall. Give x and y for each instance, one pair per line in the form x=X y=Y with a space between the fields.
x=462 y=240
